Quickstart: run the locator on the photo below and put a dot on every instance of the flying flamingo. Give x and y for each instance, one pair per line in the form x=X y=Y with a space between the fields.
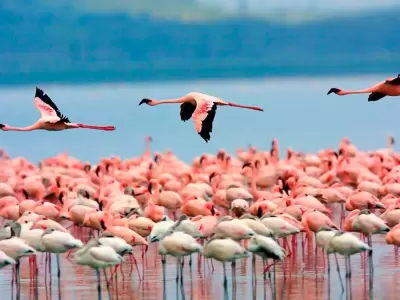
x=51 y=117
x=201 y=108
x=389 y=87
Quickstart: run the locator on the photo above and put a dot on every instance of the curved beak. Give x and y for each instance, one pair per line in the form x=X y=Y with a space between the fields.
x=145 y=100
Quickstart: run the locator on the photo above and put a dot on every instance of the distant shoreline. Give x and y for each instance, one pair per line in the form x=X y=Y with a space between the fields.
x=85 y=77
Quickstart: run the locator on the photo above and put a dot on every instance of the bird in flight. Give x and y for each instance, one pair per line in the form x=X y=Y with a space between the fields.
x=389 y=87
x=201 y=108
x=51 y=117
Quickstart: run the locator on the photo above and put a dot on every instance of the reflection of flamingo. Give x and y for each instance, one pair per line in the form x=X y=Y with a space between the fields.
x=201 y=108
x=389 y=87
x=51 y=118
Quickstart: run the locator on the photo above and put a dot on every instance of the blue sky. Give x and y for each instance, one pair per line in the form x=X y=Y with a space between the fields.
x=320 y=5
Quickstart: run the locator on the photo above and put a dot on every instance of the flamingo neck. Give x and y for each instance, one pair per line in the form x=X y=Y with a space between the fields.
x=364 y=91
x=28 y=128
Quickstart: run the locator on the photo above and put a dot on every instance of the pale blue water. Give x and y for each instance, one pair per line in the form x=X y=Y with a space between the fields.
x=297 y=112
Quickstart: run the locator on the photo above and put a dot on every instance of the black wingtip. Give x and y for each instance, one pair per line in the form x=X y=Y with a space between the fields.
x=145 y=100
x=333 y=90
x=39 y=92
x=2 y=125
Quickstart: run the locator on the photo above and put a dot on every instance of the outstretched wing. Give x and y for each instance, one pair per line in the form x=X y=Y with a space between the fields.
x=48 y=110
x=204 y=117
x=394 y=81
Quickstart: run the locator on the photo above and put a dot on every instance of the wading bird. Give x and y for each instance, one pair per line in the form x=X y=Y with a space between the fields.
x=201 y=108
x=51 y=117
x=389 y=87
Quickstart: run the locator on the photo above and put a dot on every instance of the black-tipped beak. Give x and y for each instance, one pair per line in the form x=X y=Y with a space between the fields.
x=246 y=165
x=2 y=126
x=149 y=187
x=145 y=100
x=333 y=90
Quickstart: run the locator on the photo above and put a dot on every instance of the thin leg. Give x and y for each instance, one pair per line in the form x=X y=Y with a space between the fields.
x=245 y=106
x=338 y=270
x=225 y=279
x=98 y=283
x=106 y=128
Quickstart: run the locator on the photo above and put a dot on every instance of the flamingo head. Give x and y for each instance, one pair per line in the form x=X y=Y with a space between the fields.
x=157 y=158
x=147 y=101
x=4 y=127
x=212 y=176
x=335 y=91
x=210 y=207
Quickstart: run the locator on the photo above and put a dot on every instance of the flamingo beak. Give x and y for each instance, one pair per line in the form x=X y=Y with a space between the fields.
x=246 y=165
x=145 y=100
x=333 y=90
x=2 y=126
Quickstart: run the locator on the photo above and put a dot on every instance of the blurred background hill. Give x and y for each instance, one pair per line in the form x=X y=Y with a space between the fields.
x=127 y=40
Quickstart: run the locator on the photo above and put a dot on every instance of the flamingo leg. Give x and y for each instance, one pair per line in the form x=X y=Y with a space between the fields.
x=245 y=106
x=338 y=270
x=106 y=128
x=98 y=283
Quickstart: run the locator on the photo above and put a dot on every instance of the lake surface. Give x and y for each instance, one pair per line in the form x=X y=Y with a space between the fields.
x=297 y=112
x=306 y=276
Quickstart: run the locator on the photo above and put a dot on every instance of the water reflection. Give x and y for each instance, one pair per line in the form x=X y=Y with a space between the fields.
x=308 y=276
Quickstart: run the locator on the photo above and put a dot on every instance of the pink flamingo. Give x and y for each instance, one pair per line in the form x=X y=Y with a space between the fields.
x=201 y=108
x=51 y=117
x=389 y=87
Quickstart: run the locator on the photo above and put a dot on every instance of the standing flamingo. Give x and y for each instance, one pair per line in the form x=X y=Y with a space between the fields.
x=51 y=117
x=201 y=108
x=97 y=256
x=389 y=87
x=346 y=244
x=224 y=249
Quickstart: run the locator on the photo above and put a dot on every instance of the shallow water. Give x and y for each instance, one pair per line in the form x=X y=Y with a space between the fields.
x=306 y=276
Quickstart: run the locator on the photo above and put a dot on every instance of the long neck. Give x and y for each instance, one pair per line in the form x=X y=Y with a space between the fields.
x=177 y=100
x=364 y=91
x=28 y=128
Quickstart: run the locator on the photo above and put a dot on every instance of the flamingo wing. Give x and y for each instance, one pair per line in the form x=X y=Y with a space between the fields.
x=187 y=110
x=48 y=110
x=204 y=117
x=375 y=96
x=393 y=81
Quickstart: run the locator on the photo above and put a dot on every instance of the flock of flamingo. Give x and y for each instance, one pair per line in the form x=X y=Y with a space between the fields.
x=221 y=207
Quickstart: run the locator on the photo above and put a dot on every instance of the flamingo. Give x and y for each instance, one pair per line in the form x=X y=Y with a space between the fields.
x=97 y=256
x=57 y=242
x=51 y=117
x=201 y=108
x=389 y=87
x=266 y=248
x=346 y=244
x=178 y=244
x=224 y=249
